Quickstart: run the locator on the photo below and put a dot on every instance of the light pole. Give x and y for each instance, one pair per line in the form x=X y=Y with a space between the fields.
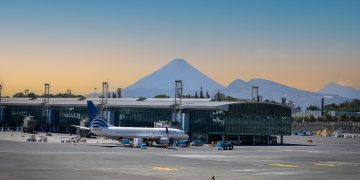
x=46 y=107
x=0 y=91
x=1 y=115
x=105 y=91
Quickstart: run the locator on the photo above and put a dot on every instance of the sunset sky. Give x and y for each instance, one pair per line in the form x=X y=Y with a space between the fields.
x=78 y=44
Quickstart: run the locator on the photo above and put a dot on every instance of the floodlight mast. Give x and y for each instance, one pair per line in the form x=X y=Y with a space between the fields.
x=1 y=87
x=177 y=103
x=105 y=92
x=255 y=93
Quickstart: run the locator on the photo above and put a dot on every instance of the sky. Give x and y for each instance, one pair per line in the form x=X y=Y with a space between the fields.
x=77 y=44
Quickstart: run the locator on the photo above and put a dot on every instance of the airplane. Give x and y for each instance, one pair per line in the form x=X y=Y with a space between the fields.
x=99 y=127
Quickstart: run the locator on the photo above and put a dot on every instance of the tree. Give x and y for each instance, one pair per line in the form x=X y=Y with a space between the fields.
x=207 y=94
x=109 y=96
x=32 y=96
x=328 y=118
x=196 y=95
x=313 y=108
x=222 y=97
x=312 y=118
x=201 y=93
x=352 y=106
x=344 y=117
x=217 y=96
x=161 y=96
x=113 y=95
x=291 y=104
x=141 y=99
x=22 y=95
x=19 y=95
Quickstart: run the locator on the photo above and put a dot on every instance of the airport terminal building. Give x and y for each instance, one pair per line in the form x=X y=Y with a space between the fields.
x=245 y=121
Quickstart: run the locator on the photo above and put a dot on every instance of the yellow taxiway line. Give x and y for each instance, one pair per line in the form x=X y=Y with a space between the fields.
x=163 y=168
x=284 y=165
x=326 y=164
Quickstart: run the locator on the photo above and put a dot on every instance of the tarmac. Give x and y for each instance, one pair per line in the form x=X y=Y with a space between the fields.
x=325 y=158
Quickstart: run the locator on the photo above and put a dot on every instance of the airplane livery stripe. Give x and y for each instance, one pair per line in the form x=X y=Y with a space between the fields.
x=98 y=121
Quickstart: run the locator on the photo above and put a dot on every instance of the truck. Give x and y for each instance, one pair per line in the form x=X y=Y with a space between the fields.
x=137 y=142
x=31 y=138
x=29 y=124
x=125 y=143
x=224 y=145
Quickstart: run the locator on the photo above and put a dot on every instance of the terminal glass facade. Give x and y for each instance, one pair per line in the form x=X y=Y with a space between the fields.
x=231 y=119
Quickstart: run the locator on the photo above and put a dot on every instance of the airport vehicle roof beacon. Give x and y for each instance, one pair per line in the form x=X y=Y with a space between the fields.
x=99 y=127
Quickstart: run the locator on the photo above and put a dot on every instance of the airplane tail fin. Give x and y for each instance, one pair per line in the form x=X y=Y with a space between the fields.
x=95 y=118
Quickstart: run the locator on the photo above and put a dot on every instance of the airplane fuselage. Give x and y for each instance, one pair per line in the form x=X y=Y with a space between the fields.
x=136 y=132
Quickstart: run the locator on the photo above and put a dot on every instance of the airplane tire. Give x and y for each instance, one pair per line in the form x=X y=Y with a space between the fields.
x=231 y=148
x=225 y=148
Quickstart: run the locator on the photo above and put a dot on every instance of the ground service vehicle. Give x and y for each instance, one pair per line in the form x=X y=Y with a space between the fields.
x=197 y=143
x=31 y=138
x=183 y=143
x=223 y=145
x=125 y=143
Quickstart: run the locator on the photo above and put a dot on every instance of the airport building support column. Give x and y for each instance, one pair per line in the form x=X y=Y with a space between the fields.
x=268 y=139
x=281 y=139
x=110 y=117
x=223 y=137
x=254 y=139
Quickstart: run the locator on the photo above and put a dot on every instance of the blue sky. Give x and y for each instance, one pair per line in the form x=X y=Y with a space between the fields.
x=252 y=38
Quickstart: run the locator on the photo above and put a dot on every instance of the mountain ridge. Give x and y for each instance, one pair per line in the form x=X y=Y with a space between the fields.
x=275 y=91
x=342 y=90
x=163 y=80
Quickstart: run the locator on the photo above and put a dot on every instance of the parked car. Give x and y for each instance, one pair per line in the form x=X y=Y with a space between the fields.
x=42 y=139
x=224 y=145
x=125 y=143
x=302 y=133
x=197 y=143
x=65 y=139
x=183 y=143
x=273 y=140
x=143 y=146
x=31 y=138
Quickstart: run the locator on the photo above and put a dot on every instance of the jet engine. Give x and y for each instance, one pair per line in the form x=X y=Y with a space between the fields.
x=163 y=141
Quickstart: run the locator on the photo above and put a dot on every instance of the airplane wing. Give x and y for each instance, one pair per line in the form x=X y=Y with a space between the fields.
x=81 y=127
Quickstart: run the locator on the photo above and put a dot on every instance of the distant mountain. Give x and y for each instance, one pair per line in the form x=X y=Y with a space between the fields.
x=275 y=91
x=345 y=91
x=162 y=81
x=239 y=89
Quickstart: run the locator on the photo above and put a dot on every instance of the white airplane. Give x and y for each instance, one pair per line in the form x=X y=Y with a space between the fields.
x=99 y=127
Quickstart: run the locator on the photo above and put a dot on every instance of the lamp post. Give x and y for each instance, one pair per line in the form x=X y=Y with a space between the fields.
x=1 y=112
x=46 y=107
x=0 y=91
x=105 y=91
